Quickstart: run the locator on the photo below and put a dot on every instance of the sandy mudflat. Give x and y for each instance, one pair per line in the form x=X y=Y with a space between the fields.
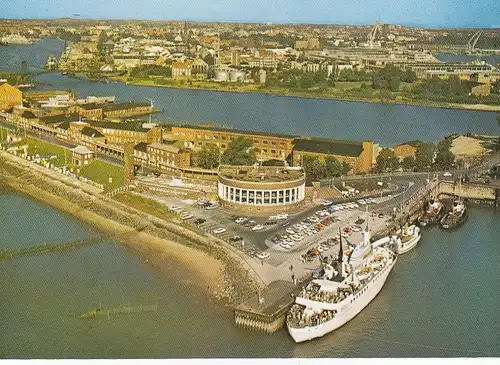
x=467 y=146
x=196 y=262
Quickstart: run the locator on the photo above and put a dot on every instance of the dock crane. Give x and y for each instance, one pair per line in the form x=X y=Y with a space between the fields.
x=473 y=40
x=373 y=33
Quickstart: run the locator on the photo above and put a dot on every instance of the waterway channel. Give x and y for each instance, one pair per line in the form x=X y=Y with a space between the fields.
x=387 y=124
x=440 y=300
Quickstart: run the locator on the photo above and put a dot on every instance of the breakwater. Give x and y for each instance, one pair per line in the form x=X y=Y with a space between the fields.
x=46 y=248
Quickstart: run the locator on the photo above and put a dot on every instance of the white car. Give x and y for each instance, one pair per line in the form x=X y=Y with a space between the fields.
x=362 y=202
x=219 y=230
x=186 y=216
x=313 y=219
x=263 y=255
x=285 y=245
x=257 y=227
x=447 y=174
x=175 y=208
x=327 y=203
x=241 y=220
x=282 y=216
x=290 y=231
x=340 y=207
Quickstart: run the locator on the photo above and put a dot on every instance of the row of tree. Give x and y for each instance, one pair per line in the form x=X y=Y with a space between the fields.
x=427 y=157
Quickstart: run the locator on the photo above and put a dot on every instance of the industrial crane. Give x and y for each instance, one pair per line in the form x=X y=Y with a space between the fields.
x=473 y=41
x=373 y=33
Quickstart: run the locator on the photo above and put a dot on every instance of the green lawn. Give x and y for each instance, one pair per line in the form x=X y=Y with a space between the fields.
x=46 y=149
x=100 y=172
x=144 y=204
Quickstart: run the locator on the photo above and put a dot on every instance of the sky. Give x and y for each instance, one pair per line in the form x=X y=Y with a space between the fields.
x=426 y=13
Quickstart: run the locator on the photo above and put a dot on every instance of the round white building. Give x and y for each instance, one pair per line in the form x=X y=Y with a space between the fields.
x=261 y=189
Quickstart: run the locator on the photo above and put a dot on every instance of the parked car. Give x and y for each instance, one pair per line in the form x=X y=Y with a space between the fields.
x=282 y=216
x=257 y=227
x=447 y=174
x=186 y=216
x=361 y=202
x=263 y=255
x=199 y=221
x=285 y=245
x=326 y=203
x=236 y=239
x=210 y=206
x=219 y=230
x=241 y=220
x=175 y=208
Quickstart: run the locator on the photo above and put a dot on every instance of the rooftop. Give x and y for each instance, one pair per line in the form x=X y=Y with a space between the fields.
x=329 y=146
x=81 y=150
x=165 y=147
x=124 y=105
x=262 y=174
x=125 y=126
x=141 y=147
x=236 y=131
x=91 y=132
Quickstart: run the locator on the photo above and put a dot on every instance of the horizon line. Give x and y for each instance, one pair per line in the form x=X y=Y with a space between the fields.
x=261 y=22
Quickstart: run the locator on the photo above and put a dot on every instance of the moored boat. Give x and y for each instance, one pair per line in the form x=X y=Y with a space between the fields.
x=433 y=213
x=456 y=216
x=407 y=238
x=331 y=301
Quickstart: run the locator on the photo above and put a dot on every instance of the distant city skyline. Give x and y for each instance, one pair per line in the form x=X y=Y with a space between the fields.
x=422 y=13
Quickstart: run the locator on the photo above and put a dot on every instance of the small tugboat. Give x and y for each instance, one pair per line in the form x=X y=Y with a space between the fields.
x=433 y=213
x=406 y=238
x=456 y=216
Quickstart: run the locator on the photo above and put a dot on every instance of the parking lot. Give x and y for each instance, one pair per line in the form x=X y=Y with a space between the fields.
x=275 y=239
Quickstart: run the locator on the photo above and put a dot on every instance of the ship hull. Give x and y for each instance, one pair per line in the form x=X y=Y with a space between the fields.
x=431 y=219
x=344 y=316
x=450 y=224
x=407 y=246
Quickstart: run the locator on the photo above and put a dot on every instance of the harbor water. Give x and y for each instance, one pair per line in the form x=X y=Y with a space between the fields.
x=387 y=124
x=440 y=300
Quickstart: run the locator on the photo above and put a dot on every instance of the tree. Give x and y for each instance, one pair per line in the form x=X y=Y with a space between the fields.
x=208 y=157
x=387 y=161
x=239 y=152
x=444 y=159
x=333 y=166
x=387 y=78
x=408 y=163
x=314 y=168
x=408 y=75
x=424 y=156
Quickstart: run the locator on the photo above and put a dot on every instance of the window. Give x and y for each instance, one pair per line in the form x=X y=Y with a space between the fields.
x=273 y=143
x=265 y=142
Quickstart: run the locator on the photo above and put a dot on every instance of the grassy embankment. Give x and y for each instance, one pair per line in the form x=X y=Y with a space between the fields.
x=144 y=204
x=348 y=91
x=97 y=171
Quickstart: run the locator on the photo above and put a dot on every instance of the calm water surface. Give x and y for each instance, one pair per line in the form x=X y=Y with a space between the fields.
x=384 y=123
x=440 y=300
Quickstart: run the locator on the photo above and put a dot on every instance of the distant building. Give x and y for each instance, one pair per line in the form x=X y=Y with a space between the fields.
x=9 y=96
x=182 y=70
x=405 y=150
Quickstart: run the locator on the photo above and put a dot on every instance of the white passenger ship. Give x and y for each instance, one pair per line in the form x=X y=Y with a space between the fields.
x=328 y=303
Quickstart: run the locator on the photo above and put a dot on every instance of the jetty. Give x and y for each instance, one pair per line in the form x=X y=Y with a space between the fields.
x=124 y=309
